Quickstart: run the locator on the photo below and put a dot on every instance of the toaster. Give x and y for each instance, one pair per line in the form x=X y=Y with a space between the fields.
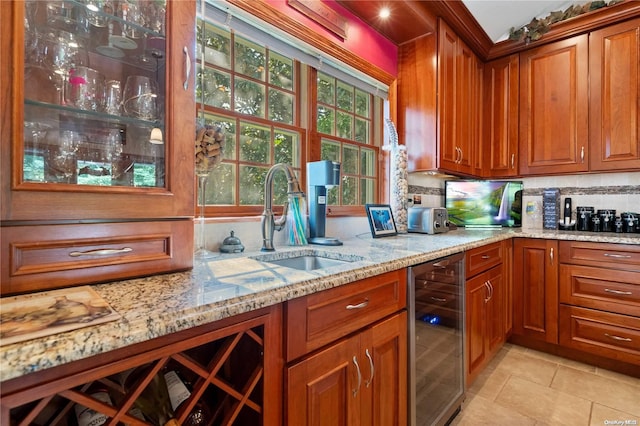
x=428 y=220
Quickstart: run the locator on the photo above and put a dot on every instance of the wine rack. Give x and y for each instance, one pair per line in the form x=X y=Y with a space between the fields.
x=224 y=369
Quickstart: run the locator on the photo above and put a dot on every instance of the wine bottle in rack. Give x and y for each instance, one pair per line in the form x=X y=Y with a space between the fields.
x=89 y=417
x=153 y=401
x=179 y=392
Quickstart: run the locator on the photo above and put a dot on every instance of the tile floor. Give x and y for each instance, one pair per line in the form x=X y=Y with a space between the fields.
x=525 y=387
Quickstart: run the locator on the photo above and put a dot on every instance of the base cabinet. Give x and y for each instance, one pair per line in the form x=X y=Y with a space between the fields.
x=347 y=354
x=484 y=307
x=535 y=289
x=231 y=367
x=600 y=299
x=360 y=380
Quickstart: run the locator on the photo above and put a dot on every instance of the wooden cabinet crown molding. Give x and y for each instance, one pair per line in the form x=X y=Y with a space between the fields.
x=581 y=24
x=297 y=29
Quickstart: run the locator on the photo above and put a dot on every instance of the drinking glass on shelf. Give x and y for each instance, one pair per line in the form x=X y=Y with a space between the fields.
x=140 y=96
x=110 y=49
x=131 y=28
x=84 y=88
x=63 y=15
x=63 y=160
x=97 y=11
x=112 y=97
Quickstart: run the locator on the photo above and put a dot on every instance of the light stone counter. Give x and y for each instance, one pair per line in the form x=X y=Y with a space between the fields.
x=235 y=283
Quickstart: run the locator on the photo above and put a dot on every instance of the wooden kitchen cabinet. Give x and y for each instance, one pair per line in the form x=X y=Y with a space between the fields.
x=535 y=289
x=614 y=110
x=347 y=354
x=232 y=366
x=71 y=160
x=500 y=117
x=438 y=102
x=458 y=103
x=359 y=380
x=554 y=108
x=600 y=299
x=484 y=307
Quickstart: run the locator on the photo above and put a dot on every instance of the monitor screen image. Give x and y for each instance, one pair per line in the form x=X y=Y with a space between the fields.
x=484 y=203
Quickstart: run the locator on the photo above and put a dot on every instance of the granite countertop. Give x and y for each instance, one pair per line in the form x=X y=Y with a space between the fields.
x=235 y=283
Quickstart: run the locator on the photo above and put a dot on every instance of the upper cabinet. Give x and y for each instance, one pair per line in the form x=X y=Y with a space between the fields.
x=614 y=116
x=97 y=129
x=439 y=86
x=458 y=102
x=499 y=140
x=554 y=112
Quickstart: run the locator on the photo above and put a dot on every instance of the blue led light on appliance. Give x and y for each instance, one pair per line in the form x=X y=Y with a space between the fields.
x=431 y=319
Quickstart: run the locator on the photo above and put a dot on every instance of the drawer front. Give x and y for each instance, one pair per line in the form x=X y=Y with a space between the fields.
x=321 y=318
x=615 y=256
x=601 y=333
x=598 y=288
x=483 y=258
x=36 y=258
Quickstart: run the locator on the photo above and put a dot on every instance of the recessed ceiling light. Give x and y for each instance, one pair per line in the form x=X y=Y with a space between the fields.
x=384 y=13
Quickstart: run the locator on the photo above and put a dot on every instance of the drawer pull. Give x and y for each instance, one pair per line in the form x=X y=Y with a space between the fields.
x=625 y=293
x=486 y=256
x=438 y=299
x=355 y=362
x=359 y=305
x=371 y=368
x=618 y=256
x=100 y=252
x=614 y=337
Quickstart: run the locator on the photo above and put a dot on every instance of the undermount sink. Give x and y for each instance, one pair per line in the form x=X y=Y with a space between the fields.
x=307 y=262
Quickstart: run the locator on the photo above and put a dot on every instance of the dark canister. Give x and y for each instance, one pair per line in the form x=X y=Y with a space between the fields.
x=630 y=222
x=607 y=219
x=617 y=224
x=595 y=223
x=583 y=218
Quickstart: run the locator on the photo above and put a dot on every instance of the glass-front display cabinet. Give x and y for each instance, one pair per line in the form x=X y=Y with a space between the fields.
x=98 y=130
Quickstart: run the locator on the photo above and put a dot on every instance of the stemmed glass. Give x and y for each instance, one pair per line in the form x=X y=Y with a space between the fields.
x=201 y=250
x=209 y=144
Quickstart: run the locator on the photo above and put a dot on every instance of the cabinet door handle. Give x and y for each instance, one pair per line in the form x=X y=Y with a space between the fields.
x=187 y=67
x=490 y=288
x=461 y=156
x=513 y=161
x=618 y=256
x=100 y=252
x=438 y=299
x=625 y=293
x=487 y=297
x=359 y=305
x=614 y=337
x=355 y=391
x=582 y=154
x=371 y=368
x=551 y=255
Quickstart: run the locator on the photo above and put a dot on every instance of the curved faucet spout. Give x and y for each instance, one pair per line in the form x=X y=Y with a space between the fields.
x=268 y=222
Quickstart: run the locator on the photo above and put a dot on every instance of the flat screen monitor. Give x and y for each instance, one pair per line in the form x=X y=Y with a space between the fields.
x=484 y=203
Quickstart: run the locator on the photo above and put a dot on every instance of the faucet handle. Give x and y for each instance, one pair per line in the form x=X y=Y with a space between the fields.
x=278 y=224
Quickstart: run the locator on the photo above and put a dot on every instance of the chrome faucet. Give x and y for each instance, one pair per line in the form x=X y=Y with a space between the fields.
x=269 y=223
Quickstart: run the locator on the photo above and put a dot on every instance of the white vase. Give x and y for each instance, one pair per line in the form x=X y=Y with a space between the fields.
x=399 y=186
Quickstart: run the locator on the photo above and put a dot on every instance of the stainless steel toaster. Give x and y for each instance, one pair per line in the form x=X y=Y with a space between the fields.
x=428 y=220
